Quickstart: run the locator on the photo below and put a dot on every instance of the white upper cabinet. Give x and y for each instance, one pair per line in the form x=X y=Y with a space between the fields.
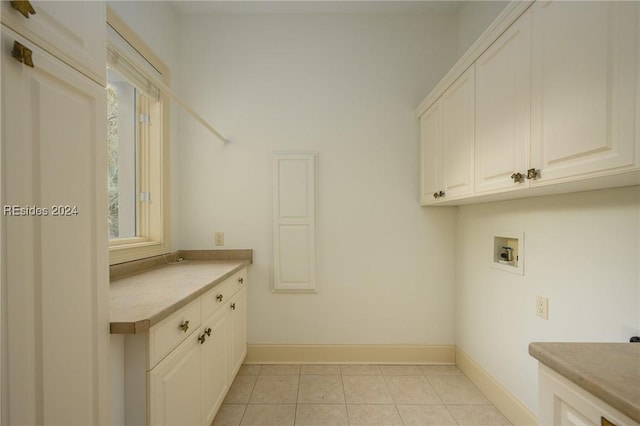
x=503 y=110
x=446 y=143
x=584 y=88
x=71 y=30
x=430 y=182
x=458 y=136
x=553 y=107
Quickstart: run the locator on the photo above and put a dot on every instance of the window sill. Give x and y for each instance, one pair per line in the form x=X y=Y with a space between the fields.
x=135 y=251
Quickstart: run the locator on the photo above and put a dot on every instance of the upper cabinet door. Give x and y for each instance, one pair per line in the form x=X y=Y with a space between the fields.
x=584 y=88
x=503 y=114
x=458 y=129
x=66 y=29
x=429 y=154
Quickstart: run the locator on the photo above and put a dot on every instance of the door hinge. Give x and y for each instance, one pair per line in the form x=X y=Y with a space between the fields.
x=145 y=197
x=145 y=118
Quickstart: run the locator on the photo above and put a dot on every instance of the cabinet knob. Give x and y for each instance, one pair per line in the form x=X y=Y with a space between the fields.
x=24 y=7
x=533 y=174
x=435 y=195
x=219 y=297
x=202 y=338
x=517 y=177
x=208 y=331
x=184 y=326
x=22 y=54
x=241 y=280
x=438 y=194
x=233 y=306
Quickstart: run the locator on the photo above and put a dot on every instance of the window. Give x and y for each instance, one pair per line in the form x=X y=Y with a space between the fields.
x=137 y=140
x=122 y=110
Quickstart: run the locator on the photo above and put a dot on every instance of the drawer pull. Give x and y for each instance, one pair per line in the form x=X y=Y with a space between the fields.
x=184 y=326
x=208 y=331
x=24 y=7
x=241 y=280
x=219 y=297
x=202 y=338
x=233 y=306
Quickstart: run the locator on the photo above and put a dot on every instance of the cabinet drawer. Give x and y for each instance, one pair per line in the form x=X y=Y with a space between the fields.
x=239 y=280
x=171 y=331
x=72 y=31
x=222 y=293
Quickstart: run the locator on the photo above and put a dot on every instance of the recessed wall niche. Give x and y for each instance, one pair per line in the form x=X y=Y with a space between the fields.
x=508 y=252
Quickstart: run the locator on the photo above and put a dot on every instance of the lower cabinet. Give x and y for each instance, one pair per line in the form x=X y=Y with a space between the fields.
x=216 y=375
x=183 y=381
x=238 y=326
x=175 y=386
x=561 y=402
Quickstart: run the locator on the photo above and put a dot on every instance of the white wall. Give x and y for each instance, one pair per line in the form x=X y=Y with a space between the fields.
x=345 y=86
x=581 y=251
x=473 y=18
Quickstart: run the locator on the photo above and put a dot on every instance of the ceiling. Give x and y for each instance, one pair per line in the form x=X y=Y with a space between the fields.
x=314 y=6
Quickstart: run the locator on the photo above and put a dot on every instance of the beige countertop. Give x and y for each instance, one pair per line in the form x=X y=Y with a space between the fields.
x=609 y=371
x=141 y=300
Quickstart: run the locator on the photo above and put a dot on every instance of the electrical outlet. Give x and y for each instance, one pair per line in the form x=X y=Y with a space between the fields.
x=219 y=238
x=542 y=307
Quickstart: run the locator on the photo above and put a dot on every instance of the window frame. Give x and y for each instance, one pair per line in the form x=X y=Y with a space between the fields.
x=152 y=166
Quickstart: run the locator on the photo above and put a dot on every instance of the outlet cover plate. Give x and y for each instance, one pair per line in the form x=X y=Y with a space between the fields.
x=542 y=307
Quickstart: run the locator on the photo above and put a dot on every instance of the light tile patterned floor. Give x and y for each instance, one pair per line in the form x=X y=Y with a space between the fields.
x=357 y=395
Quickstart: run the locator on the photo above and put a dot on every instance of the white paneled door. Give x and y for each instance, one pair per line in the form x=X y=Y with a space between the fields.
x=294 y=211
x=55 y=271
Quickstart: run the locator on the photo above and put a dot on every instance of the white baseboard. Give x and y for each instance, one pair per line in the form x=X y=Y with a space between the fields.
x=509 y=405
x=351 y=354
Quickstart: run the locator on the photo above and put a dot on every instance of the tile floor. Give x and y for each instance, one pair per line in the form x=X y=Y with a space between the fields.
x=362 y=395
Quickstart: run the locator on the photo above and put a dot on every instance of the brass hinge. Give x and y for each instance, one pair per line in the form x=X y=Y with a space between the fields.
x=24 y=7
x=22 y=54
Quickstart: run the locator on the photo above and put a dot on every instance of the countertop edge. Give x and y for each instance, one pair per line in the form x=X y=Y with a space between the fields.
x=143 y=325
x=580 y=377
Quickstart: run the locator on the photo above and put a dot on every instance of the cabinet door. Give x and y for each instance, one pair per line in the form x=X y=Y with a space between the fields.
x=215 y=363
x=55 y=270
x=430 y=183
x=238 y=322
x=458 y=128
x=73 y=31
x=584 y=88
x=503 y=114
x=175 y=386
x=562 y=402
